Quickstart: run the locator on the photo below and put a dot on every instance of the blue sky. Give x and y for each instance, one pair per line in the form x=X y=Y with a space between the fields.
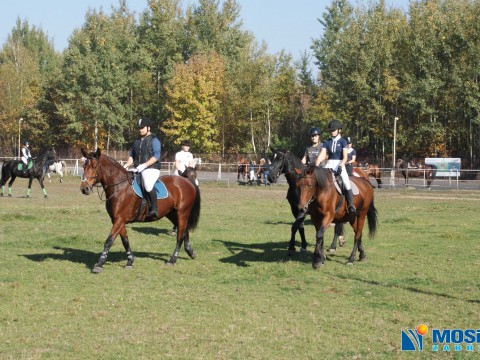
x=283 y=24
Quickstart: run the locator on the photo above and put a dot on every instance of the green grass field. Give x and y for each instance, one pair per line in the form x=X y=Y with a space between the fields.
x=242 y=297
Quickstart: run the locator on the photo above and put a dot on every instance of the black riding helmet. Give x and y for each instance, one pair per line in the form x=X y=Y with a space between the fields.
x=142 y=122
x=334 y=125
x=349 y=140
x=314 y=131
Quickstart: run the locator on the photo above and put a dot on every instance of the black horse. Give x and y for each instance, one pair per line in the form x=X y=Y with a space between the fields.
x=37 y=171
x=284 y=162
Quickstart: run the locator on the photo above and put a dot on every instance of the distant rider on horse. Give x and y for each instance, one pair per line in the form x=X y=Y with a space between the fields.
x=26 y=157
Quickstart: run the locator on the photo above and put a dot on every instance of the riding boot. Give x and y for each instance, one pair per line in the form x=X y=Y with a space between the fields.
x=152 y=202
x=351 y=207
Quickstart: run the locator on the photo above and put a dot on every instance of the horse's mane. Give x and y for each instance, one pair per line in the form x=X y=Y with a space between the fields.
x=293 y=159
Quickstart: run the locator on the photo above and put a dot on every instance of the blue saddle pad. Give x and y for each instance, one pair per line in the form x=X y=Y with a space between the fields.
x=162 y=192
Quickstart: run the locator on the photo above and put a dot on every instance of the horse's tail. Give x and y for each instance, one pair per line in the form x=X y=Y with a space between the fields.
x=4 y=175
x=195 y=212
x=372 y=217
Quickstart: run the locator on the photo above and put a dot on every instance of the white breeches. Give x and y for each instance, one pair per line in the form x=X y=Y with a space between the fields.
x=150 y=177
x=334 y=164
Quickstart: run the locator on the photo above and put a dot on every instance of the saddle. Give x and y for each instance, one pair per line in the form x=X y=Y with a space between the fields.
x=21 y=164
x=161 y=189
x=338 y=182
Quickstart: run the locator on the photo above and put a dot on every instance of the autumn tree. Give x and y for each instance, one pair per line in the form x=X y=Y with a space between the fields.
x=194 y=95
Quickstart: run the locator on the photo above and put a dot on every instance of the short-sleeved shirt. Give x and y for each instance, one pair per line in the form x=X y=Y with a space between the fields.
x=334 y=147
x=312 y=152
x=351 y=154
x=183 y=158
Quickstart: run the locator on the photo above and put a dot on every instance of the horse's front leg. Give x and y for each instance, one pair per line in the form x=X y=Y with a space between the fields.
x=293 y=232
x=116 y=229
x=40 y=180
x=128 y=250
x=301 y=230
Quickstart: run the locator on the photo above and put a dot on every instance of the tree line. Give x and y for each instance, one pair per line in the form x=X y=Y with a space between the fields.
x=198 y=74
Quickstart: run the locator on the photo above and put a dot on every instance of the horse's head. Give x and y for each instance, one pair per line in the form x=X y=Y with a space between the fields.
x=191 y=174
x=312 y=183
x=307 y=185
x=91 y=170
x=279 y=165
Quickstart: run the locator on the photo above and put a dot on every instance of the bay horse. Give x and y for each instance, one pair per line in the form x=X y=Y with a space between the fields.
x=181 y=206
x=285 y=162
x=319 y=197
x=375 y=172
x=418 y=170
x=37 y=171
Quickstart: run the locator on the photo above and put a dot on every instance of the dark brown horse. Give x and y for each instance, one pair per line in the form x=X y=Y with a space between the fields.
x=181 y=207
x=319 y=197
x=417 y=170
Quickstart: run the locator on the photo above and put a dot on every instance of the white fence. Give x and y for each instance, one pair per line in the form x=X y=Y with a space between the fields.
x=227 y=173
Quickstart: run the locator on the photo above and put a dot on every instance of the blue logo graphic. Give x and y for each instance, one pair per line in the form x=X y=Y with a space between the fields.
x=412 y=340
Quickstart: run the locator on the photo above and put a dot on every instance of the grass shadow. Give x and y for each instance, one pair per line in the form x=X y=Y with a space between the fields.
x=89 y=258
x=407 y=288
x=242 y=253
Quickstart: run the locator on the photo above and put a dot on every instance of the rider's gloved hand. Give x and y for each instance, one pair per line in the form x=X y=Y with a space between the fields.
x=141 y=167
x=339 y=170
x=126 y=166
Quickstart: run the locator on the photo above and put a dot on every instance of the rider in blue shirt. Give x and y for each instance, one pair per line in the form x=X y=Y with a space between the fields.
x=145 y=156
x=336 y=148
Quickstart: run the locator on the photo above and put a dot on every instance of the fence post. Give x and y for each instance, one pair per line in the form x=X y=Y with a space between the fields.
x=219 y=175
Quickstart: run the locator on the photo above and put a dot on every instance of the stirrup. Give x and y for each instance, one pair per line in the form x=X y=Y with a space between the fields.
x=351 y=209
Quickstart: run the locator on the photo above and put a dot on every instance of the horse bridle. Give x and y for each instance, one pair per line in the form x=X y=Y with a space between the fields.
x=94 y=184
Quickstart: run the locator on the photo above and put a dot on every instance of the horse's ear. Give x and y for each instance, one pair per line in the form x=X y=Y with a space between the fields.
x=98 y=153
x=84 y=153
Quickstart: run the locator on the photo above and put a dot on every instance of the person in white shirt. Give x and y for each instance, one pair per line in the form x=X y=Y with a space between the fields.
x=183 y=158
x=26 y=157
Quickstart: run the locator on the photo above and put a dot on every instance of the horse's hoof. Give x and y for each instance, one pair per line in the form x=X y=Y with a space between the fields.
x=9 y=195
x=341 y=241
x=128 y=267
x=363 y=259
x=303 y=250
x=45 y=196
x=291 y=252
x=317 y=265
x=169 y=263
x=97 y=269
x=192 y=255
x=349 y=263
x=332 y=251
